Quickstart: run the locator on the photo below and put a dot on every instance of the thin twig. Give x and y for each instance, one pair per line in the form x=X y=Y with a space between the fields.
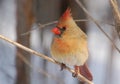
x=54 y=22
x=45 y=73
x=31 y=66
x=48 y=24
x=40 y=26
x=44 y=57
x=89 y=16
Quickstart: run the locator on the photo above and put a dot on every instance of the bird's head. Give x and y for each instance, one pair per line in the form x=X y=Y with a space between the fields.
x=65 y=25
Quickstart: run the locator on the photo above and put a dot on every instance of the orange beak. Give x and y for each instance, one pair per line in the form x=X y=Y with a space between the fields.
x=56 y=31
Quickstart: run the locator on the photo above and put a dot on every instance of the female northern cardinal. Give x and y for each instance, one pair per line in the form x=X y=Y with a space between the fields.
x=70 y=45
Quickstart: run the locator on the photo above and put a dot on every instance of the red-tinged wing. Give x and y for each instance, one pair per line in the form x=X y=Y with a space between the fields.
x=85 y=72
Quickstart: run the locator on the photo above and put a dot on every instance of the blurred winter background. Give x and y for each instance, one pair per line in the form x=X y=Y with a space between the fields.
x=20 y=16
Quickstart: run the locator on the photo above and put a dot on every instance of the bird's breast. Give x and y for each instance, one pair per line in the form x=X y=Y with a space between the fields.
x=69 y=52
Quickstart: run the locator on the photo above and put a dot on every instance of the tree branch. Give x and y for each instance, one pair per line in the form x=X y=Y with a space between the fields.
x=48 y=24
x=116 y=14
x=89 y=16
x=80 y=77
x=45 y=73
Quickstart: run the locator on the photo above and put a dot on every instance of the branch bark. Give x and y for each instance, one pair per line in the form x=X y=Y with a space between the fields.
x=116 y=14
x=80 y=77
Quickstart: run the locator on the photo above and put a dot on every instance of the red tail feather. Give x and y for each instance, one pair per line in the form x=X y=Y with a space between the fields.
x=85 y=72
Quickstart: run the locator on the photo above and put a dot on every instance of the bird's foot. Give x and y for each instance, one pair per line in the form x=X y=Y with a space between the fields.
x=77 y=71
x=74 y=74
x=62 y=66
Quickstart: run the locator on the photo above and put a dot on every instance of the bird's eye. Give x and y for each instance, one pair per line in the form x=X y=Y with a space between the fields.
x=63 y=29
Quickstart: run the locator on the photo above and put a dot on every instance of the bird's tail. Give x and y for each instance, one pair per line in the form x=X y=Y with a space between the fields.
x=84 y=71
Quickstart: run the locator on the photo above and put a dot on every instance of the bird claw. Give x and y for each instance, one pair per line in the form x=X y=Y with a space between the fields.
x=77 y=71
x=62 y=66
x=74 y=74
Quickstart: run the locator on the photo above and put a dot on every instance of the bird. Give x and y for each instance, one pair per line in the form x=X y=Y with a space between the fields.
x=69 y=45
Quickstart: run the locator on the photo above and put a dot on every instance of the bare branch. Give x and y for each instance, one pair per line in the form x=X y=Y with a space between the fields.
x=80 y=77
x=116 y=15
x=45 y=73
x=89 y=16
x=48 y=24
x=54 y=22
